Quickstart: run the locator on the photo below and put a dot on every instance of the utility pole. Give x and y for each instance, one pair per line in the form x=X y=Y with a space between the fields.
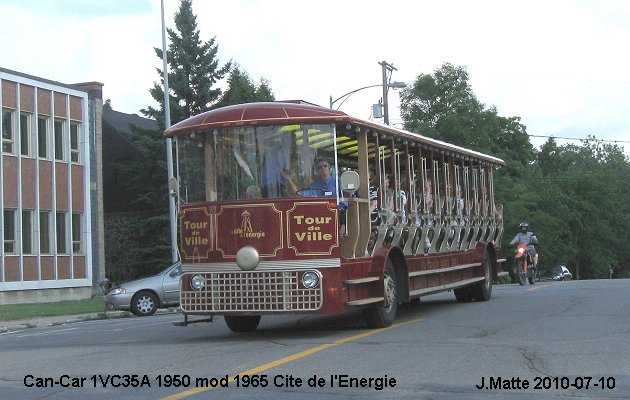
x=169 y=146
x=386 y=68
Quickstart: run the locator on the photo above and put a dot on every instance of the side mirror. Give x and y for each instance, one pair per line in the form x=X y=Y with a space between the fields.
x=350 y=180
x=172 y=187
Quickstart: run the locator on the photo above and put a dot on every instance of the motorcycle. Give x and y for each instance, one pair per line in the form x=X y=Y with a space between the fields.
x=524 y=268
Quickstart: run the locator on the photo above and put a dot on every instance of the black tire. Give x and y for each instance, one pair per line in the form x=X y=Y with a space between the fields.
x=463 y=295
x=521 y=276
x=144 y=304
x=482 y=291
x=531 y=280
x=383 y=315
x=240 y=323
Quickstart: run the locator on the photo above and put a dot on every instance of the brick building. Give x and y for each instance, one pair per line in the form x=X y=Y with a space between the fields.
x=51 y=224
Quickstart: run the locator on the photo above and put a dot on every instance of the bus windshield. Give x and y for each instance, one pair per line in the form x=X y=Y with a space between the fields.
x=239 y=163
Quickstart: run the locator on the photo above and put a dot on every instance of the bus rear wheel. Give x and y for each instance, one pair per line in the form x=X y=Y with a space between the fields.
x=240 y=323
x=483 y=290
x=382 y=316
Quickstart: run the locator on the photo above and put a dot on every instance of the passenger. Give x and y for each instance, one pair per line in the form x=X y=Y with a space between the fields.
x=252 y=192
x=276 y=180
x=374 y=214
x=393 y=199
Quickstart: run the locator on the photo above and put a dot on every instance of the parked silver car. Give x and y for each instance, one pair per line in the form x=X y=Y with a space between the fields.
x=144 y=296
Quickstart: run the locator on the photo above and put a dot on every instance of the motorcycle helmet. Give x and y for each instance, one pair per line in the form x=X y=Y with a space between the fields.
x=524 y=226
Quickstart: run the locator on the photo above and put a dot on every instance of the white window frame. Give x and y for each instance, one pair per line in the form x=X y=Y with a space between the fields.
x=9 y=231
x=77 y=224
x=26 y=134
x=10 y=139
x=46 y=138
x=61 y=232
x=28 y=230
x=44 y=232
x=59 y=135
x=75 y=148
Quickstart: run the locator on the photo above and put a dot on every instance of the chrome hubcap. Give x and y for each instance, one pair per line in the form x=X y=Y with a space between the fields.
x=390 y=292
x=145 y=304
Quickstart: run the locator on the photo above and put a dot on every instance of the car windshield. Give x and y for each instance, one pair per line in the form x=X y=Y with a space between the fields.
x=552 y=271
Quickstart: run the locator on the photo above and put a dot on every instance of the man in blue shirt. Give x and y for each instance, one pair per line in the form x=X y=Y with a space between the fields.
x=326 y=183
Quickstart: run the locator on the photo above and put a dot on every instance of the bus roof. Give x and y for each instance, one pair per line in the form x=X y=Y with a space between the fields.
x=296 y=112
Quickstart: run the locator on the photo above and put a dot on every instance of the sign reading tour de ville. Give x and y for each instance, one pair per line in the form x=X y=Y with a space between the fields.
x=312 y=228
x=196 y=234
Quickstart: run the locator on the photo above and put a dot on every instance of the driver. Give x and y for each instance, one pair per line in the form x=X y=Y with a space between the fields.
x=326 y=182
x=325 y=185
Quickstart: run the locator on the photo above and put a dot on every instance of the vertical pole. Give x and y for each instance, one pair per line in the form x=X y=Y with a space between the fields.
x=386 y=67
x=385 y=89
x=169 y=145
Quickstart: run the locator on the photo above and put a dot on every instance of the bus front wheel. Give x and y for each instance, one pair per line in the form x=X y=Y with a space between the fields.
x=384 y=315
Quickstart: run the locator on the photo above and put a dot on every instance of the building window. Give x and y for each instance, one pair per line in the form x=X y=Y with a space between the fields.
x=9 y=231
x=44 y=232
x=60 y=140
x=27 y=232
x=75 y=136
x=61 y=234
x=25 y=134
x=42 y=136
x=76 y=234
x=7 y=131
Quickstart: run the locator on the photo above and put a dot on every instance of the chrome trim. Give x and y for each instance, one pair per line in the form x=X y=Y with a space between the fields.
x=252 y=292
x=318 y=263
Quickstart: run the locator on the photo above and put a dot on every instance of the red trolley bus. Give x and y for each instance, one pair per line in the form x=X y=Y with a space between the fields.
x=289 y=207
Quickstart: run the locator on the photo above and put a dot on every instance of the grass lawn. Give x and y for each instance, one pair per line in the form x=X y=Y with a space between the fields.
x=13 y=312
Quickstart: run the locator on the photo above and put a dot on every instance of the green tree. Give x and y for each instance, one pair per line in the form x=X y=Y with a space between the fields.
x=437 y=105
x=576 y=198
x=243 y=90
x=193 y=70
x=592 y=180
x=443 y=106
x=193 y=75
x=145 y=179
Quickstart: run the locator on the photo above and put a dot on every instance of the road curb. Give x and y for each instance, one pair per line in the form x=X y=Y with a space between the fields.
x=20 y=325
x=12 y=326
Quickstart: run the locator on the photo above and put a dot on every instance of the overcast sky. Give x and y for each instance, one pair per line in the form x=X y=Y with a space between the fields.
x=562 y=66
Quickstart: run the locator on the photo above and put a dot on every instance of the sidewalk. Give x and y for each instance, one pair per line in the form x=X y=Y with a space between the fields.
x=35 y=322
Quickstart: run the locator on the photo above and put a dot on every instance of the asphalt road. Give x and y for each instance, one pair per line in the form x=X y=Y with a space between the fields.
x=566 y=339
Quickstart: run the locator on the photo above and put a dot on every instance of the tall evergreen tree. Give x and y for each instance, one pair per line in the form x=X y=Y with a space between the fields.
x=193 y=75
x=243 y=90
x=193 y=70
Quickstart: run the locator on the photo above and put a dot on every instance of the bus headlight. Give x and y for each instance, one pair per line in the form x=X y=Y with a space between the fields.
x=310 y=279
x=197 y=282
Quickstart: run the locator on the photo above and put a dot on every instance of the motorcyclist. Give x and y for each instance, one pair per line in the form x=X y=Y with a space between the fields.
x=527 y=238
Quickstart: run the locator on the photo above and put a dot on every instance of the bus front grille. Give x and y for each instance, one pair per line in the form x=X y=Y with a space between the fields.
x=251 y=291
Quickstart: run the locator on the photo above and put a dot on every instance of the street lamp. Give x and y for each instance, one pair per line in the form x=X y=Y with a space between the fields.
x=394 y=85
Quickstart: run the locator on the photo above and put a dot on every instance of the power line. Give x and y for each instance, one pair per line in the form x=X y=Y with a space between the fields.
x=581 y=139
